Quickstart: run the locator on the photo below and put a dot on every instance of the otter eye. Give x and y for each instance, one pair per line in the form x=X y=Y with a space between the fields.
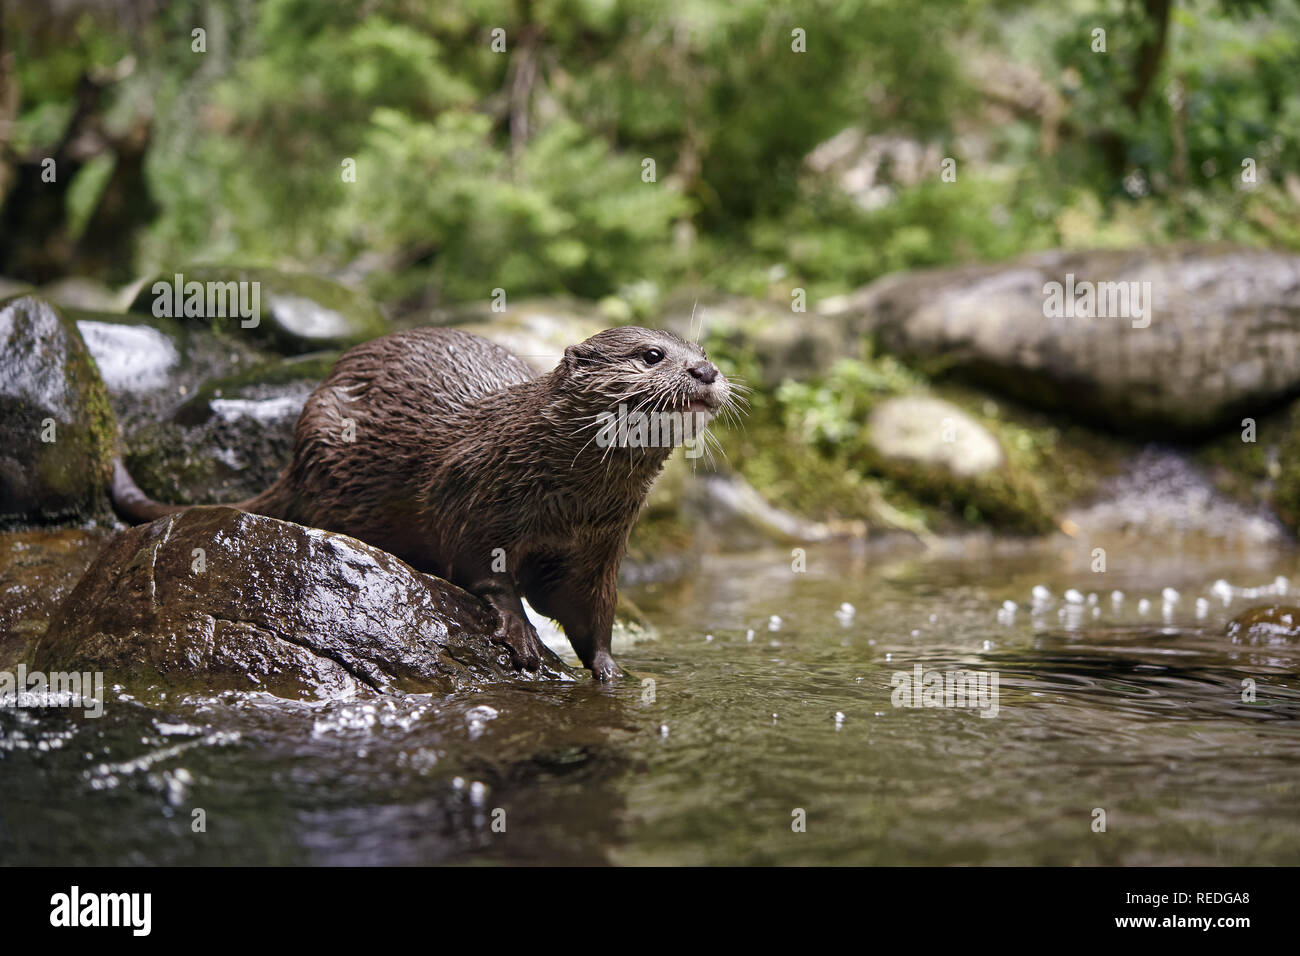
x=652 y=356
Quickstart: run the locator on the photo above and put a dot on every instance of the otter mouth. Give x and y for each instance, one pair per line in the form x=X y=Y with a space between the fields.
x=700 y=406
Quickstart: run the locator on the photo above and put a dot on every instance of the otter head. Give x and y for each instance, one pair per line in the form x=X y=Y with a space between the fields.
x=648 y=370
x=644 y=387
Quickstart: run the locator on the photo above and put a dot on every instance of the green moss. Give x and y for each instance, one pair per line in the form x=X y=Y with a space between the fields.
x=165 y=469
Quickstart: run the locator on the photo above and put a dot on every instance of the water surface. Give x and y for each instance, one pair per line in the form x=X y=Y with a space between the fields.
x=735 y=726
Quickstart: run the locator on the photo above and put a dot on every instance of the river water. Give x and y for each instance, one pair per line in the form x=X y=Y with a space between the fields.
x=760 y=726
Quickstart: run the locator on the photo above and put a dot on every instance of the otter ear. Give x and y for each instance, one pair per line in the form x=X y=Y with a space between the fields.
x=575 y=357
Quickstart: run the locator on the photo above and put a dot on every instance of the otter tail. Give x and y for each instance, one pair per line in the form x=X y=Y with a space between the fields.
x=137 y=507
x=132 y=503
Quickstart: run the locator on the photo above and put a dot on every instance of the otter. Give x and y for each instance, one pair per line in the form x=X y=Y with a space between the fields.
x=449 y=452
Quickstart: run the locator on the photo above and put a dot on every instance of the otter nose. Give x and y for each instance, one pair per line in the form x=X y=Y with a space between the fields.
x=706 y=372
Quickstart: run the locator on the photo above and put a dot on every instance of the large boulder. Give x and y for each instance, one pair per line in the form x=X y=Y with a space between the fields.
x=1220 y=335
x=56 y=427
x=215 y=599
x=292 y=312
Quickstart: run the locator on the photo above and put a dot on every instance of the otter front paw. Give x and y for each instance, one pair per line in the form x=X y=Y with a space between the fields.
x=603 y=666
x=525 y=646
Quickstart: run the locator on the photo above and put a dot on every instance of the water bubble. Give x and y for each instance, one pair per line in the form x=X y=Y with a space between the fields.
x=1117 y=598
x=1202 y=607
x=1170 y=596
x=749 y=635
x=774 y=623
x=708 y=637
x=1073 y=596
x=1144 y=606
x=1041 y=593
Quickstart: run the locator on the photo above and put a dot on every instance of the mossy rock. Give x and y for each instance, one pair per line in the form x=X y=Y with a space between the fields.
x=295 y=312
x=230 y=439
x=57 y=431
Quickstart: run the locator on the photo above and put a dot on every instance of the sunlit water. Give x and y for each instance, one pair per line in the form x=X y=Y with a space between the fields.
x=1133 y=710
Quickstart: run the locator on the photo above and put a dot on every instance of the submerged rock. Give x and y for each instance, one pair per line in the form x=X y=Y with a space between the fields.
x=56 y=428
x=1217 y=332
x=292 y=312
x=216 y=599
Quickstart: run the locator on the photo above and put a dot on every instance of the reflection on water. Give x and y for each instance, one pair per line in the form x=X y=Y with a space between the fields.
x=738 y=727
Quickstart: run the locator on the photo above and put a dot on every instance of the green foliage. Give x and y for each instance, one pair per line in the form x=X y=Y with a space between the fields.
x=523 y=170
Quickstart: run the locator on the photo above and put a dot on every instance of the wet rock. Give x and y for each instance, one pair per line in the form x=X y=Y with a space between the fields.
x=291 y=312
x=1277 y=624
x=37 y=569
x=151 y=366
x=230 y=439
x=14 y=287
x=1160 y=493
x=537 y=331
x=1223 y=333
x=214 y=599
x=75 y=292
x=784 y=344
x=56 y=427
x=930 y=433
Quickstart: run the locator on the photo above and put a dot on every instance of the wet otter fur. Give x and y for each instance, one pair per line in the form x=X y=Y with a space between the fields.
x=447 y=450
